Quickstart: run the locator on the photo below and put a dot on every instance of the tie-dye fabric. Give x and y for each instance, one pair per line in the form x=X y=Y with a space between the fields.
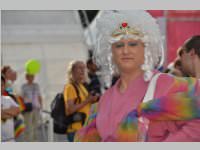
x=181 y=105
x=89 y=132
x=182 y=102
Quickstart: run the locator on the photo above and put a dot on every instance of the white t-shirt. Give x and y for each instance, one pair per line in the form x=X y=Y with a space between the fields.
x=31 y=93
x=7 y=127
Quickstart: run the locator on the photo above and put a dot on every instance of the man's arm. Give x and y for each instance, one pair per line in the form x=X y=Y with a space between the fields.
x=40 y=101
x=39 y=97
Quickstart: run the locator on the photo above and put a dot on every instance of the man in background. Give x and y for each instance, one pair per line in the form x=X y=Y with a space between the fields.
x=190 y=57
x=94 y=86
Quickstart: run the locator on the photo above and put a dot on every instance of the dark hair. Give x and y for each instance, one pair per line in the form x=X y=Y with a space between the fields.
x=4 y=69
x=89 y=61
x=167 y=70
x=177 y=62
x=180 y=52
x=193 y=43
x=3 y=79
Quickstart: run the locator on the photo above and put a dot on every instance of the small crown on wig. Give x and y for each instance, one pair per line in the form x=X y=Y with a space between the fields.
x=124 y=29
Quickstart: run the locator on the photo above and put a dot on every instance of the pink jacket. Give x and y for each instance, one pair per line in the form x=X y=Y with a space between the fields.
x=172 y=131
x=115 y=120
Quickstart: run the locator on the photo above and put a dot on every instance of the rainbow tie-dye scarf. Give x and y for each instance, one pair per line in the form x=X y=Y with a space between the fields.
x=182 y=102
x=19 y=126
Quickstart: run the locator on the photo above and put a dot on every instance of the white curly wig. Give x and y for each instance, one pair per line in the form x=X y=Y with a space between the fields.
x=108 y=21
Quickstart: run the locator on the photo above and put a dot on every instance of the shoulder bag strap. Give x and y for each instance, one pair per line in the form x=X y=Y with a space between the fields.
x=144 y=122
x=78 y=94
x=151 y=88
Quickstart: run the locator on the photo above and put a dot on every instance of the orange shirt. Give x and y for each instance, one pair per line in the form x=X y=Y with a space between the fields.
x=70 y=94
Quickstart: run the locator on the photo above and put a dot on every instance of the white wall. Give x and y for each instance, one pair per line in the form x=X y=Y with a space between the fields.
x=53 y=37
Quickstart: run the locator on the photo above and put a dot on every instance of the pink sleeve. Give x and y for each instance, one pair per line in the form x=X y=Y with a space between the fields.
x=180 y=102
x=190 y=132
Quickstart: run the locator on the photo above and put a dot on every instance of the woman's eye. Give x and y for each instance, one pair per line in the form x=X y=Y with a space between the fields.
x=119 y=45
x=132 y=43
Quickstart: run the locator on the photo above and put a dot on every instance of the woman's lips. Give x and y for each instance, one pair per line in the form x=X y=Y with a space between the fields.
x=127 y=58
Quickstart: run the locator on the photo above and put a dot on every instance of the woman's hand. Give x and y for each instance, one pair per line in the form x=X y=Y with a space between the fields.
x=93 y=98
x=72 y=107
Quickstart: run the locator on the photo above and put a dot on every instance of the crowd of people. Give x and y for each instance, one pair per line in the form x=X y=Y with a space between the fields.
x=27 y=104
x=142 y=103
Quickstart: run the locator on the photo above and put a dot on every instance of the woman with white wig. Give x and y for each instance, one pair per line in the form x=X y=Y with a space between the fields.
x=143 y=105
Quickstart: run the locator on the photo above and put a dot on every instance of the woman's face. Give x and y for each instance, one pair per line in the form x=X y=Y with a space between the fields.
x=9 y=74
x=78 y=72
x=128 y=54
